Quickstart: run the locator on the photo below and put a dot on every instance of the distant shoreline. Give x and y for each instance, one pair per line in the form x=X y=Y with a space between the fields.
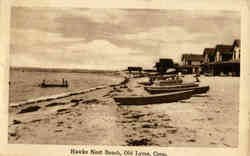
x=24 y=82
x=65 y=70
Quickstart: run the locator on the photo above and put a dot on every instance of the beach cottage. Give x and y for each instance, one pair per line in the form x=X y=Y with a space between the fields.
x=226 y=60
x=236 y=50
x=223 y=53
x=163 y=65
x=135 y=71
x=209 y=55
x=192 y=62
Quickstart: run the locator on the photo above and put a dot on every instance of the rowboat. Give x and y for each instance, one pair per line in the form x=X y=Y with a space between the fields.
x=164 y=77
x=46 y=85
x=168 y=82
x=184 y=85
x=146 y=83
x=153 y=99
x=197 y=90
x=53 y=85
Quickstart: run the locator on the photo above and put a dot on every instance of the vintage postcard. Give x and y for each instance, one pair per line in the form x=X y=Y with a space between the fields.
x=119 y=80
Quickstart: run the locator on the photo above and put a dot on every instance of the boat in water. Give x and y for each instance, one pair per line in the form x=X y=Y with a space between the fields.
x=196 y=90
x=154 y=99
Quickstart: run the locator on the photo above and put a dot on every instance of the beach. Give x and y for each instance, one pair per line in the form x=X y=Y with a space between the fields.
x=93 y=118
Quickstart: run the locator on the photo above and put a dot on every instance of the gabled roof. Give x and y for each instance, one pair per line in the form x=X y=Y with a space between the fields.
x=166 y=62
x=224 y=49
x=236 y=43
x=192 y=57
x=209 y=51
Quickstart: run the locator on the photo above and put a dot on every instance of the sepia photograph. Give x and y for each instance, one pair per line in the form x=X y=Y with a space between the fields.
x=124 y=77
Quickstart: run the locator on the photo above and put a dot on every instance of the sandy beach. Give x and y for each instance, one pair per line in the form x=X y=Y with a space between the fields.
x=93 y=118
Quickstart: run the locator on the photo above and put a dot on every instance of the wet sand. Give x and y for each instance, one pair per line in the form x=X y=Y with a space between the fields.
x=207 y=120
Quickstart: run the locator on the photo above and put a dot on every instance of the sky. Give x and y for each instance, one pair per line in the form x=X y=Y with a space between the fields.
x=114 y=38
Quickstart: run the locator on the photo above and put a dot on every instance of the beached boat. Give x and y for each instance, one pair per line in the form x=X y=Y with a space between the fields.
x=168 y=82
x=146 y=83
x=164 y=77
x=153 y=99
x=197 y=90
x=184 y=85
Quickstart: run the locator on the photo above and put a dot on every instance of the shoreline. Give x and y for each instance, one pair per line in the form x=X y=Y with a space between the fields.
x=63 y=95
x=94 y=118
x=24 y=87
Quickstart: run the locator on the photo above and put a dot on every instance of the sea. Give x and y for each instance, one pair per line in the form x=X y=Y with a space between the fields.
x=24 y=83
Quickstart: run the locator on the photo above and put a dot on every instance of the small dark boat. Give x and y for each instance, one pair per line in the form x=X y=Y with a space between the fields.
x=153 y=99
x=197 y=90
x=47 y=85
x=53 y=85
x=146 y=83
x=184 y=85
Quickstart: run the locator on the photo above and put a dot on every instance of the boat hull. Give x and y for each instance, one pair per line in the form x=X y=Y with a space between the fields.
x=196 y=90
x=153 y=99
x=53 y=85
x=185 y=85
x=159 y=77
x=169 y=82
x=145 y=83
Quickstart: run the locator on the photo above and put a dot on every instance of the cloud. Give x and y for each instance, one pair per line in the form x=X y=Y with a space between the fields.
x=162 y=35
x=114 y=38
x=102 y=16
x=98 y=54
x=37 y=37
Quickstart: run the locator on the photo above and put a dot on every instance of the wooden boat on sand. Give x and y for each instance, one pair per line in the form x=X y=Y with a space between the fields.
x=184 y=85
x=197 y=90
x=153 y=99
x=164 y=77
x=146 y=83
x=168 y=82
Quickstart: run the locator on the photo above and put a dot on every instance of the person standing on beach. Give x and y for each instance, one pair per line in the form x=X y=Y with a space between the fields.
x=197 y=75
x=179 y=75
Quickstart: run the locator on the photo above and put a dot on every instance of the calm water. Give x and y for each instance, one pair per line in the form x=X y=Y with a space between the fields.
x=25 y=85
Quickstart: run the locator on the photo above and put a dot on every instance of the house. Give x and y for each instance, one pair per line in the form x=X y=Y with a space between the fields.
x=236 y=50
x=192 y=59
x=209 y=55
x=163 y=65
x=136 y=69
x=192 y=62
x=223 y=53
x=226 y=60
